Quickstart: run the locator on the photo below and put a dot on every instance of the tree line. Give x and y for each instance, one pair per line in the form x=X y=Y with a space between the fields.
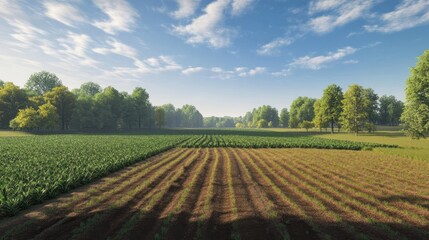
x=45 y=104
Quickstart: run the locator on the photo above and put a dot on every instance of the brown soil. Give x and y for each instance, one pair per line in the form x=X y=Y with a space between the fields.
x=275 y=194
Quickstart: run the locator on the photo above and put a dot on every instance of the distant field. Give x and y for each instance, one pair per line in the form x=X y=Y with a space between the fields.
x=4 y=133
x=410 y=148
x=231 y=193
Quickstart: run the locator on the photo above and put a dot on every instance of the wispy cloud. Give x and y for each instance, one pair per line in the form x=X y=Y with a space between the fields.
x=186 y=8
x=239 y=6
x=273 y=46
x=408 y=14
x=118 y=48
x=317 y=62
x=62 y=12
x=351 y=62
x=122 y=16
x=151 y=65
x=207 y=28
x=70 y=50
x=342 y=12
x=237 y=72
x=23 y=31
x=192 y=70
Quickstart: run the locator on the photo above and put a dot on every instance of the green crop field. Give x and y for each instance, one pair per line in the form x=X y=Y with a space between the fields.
x=33 y=169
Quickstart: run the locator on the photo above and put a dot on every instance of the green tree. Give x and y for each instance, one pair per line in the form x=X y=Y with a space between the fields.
x=90 y=89
x=48 y=116
x=331 y=106
x=284 y=118
x=306 y=124
x=159 y=117
x=64 y=101
x=191 y=117
x=390 y=110
x=371 y=108
x=170 y=115
x=355 y=109
x=108 y=108
x=141 y=104
x=83 y=116
x=1 y=83
x=320 y=118
x=12 y=98
x=42 y=82
x=415 y=117
x=301 y=109
x=27 y=119
x=267 y=113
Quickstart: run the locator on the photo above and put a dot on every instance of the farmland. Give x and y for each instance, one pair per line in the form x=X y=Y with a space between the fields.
x=233 y=193
x=36 y=168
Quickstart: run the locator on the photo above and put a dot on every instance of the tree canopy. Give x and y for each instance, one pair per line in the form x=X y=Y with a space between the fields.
x=355 y=109
x=42 y=82
x=12 y=99
x=416 y=112
x=302 y=109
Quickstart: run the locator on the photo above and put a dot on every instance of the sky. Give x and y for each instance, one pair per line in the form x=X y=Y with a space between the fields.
x=225 y=57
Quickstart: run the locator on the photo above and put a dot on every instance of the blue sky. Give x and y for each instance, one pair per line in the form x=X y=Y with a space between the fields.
x=223 y=56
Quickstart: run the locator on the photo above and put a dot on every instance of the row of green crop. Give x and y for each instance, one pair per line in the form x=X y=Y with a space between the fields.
x=275 y=142
x=33 y=169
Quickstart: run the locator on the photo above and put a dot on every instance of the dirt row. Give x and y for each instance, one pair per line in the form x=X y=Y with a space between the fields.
x=226 y=193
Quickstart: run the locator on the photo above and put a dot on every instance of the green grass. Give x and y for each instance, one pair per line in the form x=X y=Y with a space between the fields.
x=410 y=148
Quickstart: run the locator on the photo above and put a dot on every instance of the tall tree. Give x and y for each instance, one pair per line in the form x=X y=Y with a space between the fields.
x=390 y=110
x=170 y=115
x=159 y=117
x=284 y=117
x=320 y=117
x=191 y=117
x=108 y=108
x=141 y=103
x=372 y=109
x=355 y=109
x=12 y=98
x=64 y=101
x=1 y=83
x=42 y=82
x=331 y=105
x=416 y=113
x=301 y=109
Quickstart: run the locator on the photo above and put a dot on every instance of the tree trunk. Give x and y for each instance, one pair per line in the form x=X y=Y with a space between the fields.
x=332 y=126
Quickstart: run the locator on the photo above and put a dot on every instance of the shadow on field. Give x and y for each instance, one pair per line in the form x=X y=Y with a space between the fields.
x=104 y=224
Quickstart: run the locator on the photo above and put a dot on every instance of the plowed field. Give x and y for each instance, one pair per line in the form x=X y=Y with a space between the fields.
x=230 y=193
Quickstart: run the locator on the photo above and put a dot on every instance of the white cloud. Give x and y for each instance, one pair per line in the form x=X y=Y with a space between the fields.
x=324 y=5
x=239 y=6
x=273 y=46
x=186 y=9
x=207 y=27
x=122 y=16
x=151 y=65
x=23 y=31
x=72 y=49
x=343 y=13
x=317 y=62
x=237 y=72
x=408 y=14
x=117 y=48
x=63 y=12
x=282 y=73
x=257 y=70
x=192 y=70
